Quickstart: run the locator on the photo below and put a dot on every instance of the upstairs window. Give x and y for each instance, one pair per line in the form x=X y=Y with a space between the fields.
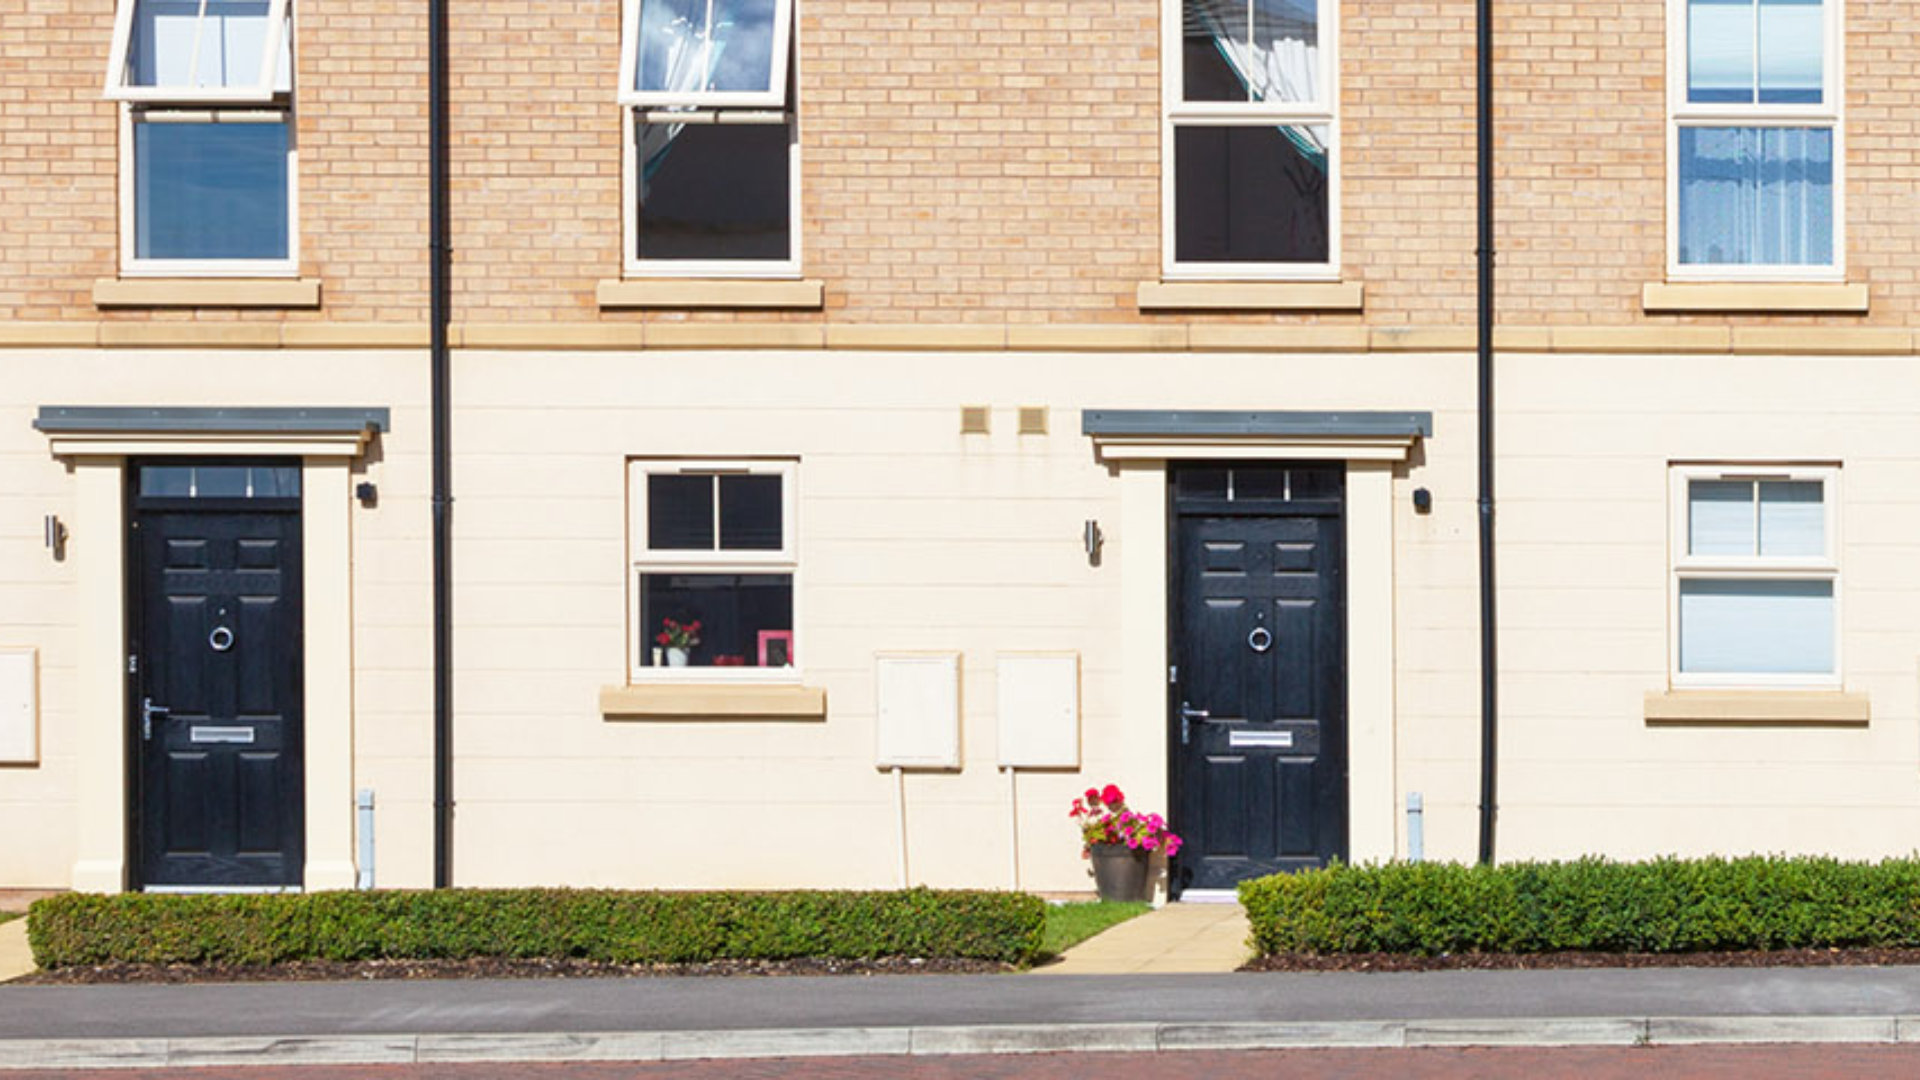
x=1754 y=139
x=200 y=51
x=207 y=138
x=712 y=173
x=714 y=560
x=1250 y=131
x=1755 y=576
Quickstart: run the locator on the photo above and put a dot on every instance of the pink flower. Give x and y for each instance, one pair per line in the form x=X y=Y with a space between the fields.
x=1111 y=796
x=1093 y=795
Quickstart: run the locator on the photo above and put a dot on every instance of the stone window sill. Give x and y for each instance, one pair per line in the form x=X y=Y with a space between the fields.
x=1757 y=708
x=1672 y=297
x=713 y=701
x=805 y=294
x=1250 y=295
x=207 y=292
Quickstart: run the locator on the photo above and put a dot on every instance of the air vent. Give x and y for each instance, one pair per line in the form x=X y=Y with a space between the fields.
x=1033 y=419
x=975 y=419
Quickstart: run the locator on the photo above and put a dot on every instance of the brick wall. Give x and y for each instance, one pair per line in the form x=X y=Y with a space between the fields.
x=993 y=162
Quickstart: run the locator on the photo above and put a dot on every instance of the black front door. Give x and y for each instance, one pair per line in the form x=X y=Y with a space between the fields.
x=1258 y=728
x=215 y=674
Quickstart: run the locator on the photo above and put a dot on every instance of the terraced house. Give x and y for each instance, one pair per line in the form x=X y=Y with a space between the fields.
x=683 y=443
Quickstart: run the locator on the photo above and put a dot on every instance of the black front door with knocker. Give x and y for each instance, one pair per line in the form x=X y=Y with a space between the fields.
x=214 y=674
x=1258 y=695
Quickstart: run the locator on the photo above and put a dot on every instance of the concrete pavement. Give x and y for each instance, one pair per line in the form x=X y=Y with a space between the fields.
x=1174 y=939
x=691 y=1018
x=16 y=959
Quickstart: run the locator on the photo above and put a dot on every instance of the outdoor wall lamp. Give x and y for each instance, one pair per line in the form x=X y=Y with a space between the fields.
x=1093 y=538
x=56 y=537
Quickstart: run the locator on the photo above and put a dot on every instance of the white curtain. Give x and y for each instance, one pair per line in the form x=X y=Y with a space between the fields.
x=1756 y=196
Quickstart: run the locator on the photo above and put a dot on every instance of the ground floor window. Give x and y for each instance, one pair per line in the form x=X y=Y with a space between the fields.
x=714 y=561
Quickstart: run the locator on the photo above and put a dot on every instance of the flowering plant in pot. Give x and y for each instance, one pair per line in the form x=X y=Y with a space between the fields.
x=1119 y=842
x=678 y=639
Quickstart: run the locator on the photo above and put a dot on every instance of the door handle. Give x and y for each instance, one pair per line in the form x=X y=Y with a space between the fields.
x=148 y=710
x=1188 y=714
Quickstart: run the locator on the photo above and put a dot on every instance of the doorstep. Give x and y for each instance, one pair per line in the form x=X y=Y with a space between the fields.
x=1174 y=939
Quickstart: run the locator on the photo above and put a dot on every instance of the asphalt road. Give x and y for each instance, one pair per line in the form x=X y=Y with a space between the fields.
x=1667 y=1063
x=735 y=1004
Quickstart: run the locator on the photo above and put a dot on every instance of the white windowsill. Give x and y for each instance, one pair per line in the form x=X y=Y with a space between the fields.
x=207 y=292
x=1251 y=295
x=803 y=294
x=1837 y=297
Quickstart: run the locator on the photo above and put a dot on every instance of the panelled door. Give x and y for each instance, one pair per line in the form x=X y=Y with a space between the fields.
x=215 y=674
x=1258 y=725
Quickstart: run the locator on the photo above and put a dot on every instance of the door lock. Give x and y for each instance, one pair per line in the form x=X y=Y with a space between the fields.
x=148 y=710
x=1188 y=714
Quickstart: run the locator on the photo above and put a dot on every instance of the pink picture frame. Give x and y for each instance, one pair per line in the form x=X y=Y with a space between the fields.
x=776 y=648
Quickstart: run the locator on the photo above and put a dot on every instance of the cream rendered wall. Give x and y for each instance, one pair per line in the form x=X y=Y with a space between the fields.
x=1583 y=516
x=912 y=537
x=41 y=602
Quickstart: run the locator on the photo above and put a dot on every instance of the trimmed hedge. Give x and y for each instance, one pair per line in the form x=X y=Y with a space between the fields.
x=618 y=927
x=1667 y=905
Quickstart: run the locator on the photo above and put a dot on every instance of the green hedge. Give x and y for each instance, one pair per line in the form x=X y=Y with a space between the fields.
x=618 y=927
x=1664 y=906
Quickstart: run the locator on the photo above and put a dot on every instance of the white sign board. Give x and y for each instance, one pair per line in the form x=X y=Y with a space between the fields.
x=918 y=702
x=19 y=707
x=1039 y=709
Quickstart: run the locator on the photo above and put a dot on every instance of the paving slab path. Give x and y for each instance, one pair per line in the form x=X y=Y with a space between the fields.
x=1177 y=939
x=16 y=959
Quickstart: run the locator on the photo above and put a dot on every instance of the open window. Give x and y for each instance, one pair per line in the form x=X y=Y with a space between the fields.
x=200 y=51
x=712 y=172
x=714 y=560
x=207 y=162
x=1754 y=135
x=1250 y=133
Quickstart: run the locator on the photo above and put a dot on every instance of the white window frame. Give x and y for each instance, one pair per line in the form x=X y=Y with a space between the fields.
x=642 y=560
x=636 y=267
x=132 y=266
x=1176 y=113
x=1827 y=114
x=707 y=107
x=118 y=89
x=1689 y=567
x=774 y=97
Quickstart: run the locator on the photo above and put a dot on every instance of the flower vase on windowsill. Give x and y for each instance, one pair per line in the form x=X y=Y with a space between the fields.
x=677 y=640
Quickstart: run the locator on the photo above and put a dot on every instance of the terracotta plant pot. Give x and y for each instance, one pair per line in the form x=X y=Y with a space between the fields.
x=1120 y=872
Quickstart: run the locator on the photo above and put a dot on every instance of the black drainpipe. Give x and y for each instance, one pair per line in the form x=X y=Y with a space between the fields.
x=1489 y=648
x=440 y=285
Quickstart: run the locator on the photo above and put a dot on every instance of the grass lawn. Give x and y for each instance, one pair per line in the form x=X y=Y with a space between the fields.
x=1070 y=924
x=6 y=915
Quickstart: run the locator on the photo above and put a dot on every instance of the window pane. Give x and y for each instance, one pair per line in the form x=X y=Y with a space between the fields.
x=1284 y=63
x=680 y=512
x=172 y=46
x=735 y=613
x=750 y=513
x=1756 y=196
x=672 y=46
x=714 y=191
x=1793 y=518
x=1215 y=36
x=173 y=481
x=1201 y=483
x=1791 y=51
x=220 y=481
x=210 y=191
x=1720 y=51
x=1756 y=627
x=1250 y=194
x=742 y=58
x=1259 y=482
x=1720 y=517
x=276 y=483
